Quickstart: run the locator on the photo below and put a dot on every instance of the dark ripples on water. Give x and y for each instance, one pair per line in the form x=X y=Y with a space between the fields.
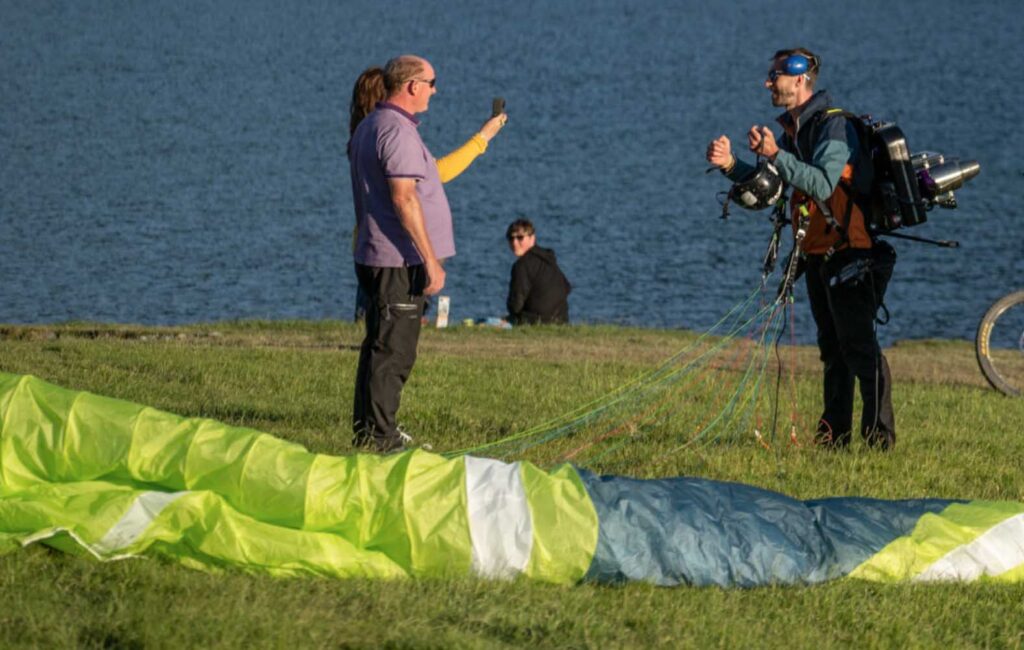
x=171 y=163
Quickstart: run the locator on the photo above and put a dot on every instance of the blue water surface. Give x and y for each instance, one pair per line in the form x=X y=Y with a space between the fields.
x=182 y=162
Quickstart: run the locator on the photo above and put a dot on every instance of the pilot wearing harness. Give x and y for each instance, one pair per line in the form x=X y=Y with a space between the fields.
x=820 y=157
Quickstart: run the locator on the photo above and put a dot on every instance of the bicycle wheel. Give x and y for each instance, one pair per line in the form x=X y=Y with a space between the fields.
x=999 y=344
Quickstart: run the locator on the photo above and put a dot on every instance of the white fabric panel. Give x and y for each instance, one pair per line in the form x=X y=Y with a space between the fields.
x=996 y=551
x=499 y=518
x=135 y=521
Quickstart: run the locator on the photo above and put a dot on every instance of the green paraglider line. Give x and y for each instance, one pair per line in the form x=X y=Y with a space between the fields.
x=658 y=380
x=667 y=376
x=728 y=410
x=643 y=382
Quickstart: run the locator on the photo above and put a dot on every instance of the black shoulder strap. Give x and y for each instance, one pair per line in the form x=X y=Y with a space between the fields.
x=864 y=134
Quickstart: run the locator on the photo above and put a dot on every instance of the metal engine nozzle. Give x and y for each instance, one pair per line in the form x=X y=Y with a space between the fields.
x=947 y=176
x=926 y=159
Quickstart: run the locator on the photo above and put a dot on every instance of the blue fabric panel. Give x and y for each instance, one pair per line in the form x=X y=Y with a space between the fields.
x=858 y=527
x=700 y=532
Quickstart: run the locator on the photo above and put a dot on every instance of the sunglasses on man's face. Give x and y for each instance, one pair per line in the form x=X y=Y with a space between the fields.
x=517 y=237
x=773 y=75
x=429 y=82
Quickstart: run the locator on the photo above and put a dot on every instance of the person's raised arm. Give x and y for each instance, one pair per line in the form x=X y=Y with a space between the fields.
x=410 y=214
x=457 y=161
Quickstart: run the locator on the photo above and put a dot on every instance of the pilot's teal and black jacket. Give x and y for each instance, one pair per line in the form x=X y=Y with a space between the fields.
x=819 y=156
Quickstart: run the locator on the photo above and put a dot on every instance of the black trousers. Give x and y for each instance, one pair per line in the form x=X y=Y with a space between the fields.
x=844 y=307
x=394 y=308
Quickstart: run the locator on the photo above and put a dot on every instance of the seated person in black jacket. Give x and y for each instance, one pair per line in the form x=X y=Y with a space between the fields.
x=538 y=291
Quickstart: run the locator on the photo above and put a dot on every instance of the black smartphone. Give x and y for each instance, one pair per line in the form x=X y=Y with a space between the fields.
x=497 y=106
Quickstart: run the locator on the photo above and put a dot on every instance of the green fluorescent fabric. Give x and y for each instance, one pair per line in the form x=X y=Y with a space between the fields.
x=939 y=535
x=564 y=523
x=88 y=473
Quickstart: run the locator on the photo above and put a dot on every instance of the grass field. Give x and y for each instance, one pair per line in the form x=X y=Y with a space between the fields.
x=957 y=438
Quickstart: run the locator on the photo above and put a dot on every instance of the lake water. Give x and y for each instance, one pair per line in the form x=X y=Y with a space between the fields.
x=168 y=163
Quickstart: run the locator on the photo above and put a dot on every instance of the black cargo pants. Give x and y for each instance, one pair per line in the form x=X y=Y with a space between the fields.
x=394 y=309
x=843 y=303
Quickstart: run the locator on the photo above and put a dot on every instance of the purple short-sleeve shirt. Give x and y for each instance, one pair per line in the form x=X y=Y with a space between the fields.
x=387 y=145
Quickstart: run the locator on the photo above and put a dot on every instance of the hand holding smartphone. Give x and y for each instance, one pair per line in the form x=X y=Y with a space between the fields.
x=496 y=121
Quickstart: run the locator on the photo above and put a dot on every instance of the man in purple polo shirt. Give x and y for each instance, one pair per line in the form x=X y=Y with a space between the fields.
x=405 y=228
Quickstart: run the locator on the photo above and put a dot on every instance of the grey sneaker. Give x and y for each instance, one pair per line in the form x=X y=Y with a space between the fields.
x=364 y=440
x=390 y=446
x=408 y=442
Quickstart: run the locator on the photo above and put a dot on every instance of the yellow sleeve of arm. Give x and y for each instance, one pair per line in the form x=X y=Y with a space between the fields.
x=457 y=161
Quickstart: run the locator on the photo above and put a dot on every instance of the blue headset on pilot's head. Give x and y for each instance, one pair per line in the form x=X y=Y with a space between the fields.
x=799 y=64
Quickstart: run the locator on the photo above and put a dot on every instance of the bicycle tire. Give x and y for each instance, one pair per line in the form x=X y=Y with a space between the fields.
x=1000 y=380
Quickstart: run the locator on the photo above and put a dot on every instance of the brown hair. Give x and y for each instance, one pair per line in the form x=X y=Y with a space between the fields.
x=369 y=90
x=399 y=70
x=524 y=226
x=812 y=71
